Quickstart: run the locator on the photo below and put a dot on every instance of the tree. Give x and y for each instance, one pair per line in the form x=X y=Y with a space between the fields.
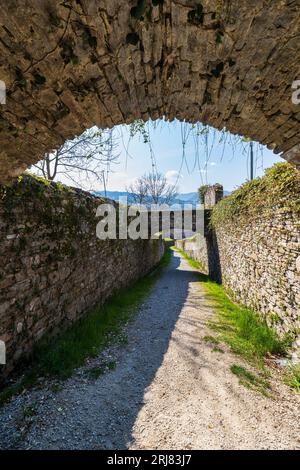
x=159 y=191
x=88 y=155
x=153 y=188
x=138 y=191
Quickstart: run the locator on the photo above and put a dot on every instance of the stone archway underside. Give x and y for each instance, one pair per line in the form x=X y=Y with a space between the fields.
x=68 y=65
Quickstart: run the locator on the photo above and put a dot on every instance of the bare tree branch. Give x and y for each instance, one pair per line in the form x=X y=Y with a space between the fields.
x=87 y=154
x=152 y=188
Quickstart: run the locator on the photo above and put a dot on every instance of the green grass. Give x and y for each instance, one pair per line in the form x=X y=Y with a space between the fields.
x=56 y=388
x=210 y=339
x=95 y=372
x=241 y=328
x=219 y=350
x=292 y=378
x=280 y=187
x=192 y=262
x=250 y=380
x=28 y=411
x=88 y=336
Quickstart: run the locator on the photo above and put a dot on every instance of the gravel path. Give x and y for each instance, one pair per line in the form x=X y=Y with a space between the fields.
x=169 y=389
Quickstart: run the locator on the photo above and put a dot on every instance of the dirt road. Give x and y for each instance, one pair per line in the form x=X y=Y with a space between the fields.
x=169 y=390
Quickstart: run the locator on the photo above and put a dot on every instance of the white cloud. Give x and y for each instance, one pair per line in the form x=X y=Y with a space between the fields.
x=119 y=180
x=173 y=176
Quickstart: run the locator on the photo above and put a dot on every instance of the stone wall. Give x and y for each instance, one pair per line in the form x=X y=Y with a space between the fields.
x=213 y=195
x=256 y=252
x=52 y=267
x=73 y=64
x=204 y=249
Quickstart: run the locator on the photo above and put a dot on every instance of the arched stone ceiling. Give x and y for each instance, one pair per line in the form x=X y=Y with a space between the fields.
x=70 y=64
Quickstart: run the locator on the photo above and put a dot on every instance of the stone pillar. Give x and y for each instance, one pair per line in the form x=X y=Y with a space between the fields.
x=213 y=195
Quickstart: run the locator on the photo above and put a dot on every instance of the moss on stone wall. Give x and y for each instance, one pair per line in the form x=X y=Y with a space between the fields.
x=253 y=246
x=53 y=266
x=278 y=189
x=70 y=65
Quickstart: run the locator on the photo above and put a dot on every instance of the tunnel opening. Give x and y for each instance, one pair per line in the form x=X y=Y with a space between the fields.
x=76 y=68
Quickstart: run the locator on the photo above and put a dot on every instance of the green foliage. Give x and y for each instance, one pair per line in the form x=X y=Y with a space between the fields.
x=218 y=350
x=192 y=262
x=138 y=127
x=88 y=336
x=201 y=191
x=292 y=377
x=211 y=339
x=219 y=37
x=278 y=189
x=42 y=199
x=250 y=380
x=29 y=411
x=241 y=328
x=95 y=372
x=93 y=333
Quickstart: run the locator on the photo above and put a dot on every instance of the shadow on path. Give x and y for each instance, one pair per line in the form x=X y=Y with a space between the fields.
x=101 y=414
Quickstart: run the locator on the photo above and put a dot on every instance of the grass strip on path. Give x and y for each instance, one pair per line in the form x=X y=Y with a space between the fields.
x=90 y=335
x=292 y=377
x=250 y=380
x=241 y=328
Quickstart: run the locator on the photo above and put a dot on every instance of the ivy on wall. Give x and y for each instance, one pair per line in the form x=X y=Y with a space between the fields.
x=279 y=189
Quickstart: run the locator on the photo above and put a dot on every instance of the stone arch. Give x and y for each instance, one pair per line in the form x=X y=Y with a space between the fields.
x=72 y=64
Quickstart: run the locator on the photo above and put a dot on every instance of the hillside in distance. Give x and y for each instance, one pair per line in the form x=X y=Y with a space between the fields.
x=188 y=198
x=181 y=198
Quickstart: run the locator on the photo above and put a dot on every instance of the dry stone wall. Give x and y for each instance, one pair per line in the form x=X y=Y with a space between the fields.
x=53 y=269
x=69 y=65
x=259 y=264
x=257 y=255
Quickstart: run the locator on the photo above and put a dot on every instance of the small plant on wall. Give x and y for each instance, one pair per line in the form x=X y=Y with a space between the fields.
x=201 y=192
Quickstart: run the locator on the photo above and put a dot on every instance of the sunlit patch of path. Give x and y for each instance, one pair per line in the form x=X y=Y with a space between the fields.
x=169 y=390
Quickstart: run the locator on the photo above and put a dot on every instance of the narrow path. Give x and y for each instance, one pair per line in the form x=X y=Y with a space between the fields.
x=170 y=390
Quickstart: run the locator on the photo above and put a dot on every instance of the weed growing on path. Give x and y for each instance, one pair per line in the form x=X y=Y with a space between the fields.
x=241 y=328
x=219 y=350
x=250 y=380
x=292 y=378
x=95 y=372
x=211 y=339
x=28 y=411
x=88 y=336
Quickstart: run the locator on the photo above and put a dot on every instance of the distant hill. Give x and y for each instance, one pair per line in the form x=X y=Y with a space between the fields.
x=188 y=198
x=115 y=195
x=185 y=198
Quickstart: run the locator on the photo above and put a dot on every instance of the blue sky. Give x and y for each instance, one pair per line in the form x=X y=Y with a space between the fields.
x=227 y=164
